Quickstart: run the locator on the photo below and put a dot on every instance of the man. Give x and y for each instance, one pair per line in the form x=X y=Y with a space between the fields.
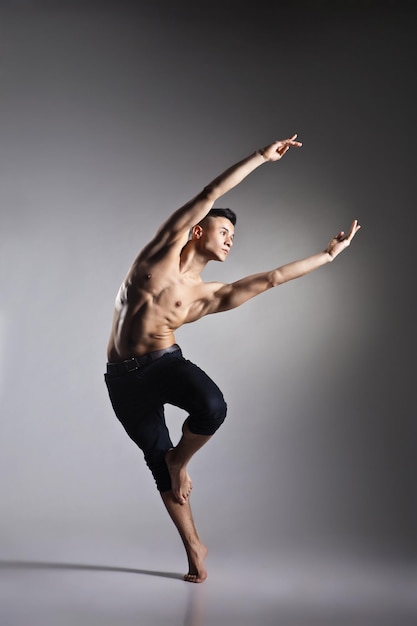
x=162 y=291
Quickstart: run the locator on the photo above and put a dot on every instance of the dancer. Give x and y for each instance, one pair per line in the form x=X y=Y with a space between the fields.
x=163 y=290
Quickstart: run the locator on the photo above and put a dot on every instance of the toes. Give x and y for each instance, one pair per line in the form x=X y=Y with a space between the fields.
x=182 y=495
x=180 y=498
x=192 y=578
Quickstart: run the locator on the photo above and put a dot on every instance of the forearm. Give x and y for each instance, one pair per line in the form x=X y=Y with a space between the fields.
x=234 y=175
x=233 y=295
x=297 y=269
x=197 y=208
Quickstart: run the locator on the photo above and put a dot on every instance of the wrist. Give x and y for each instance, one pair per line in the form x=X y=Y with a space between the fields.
x=261 y=153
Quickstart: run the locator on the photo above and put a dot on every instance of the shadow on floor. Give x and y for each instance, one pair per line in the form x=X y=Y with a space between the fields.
x=79 y=566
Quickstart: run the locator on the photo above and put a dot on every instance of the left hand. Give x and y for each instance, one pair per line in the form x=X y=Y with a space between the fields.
x=341 y=241
x=276 y=150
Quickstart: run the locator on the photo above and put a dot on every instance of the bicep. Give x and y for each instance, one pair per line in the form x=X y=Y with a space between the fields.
x=188 y=215
x=174 y=232
x=162 y=244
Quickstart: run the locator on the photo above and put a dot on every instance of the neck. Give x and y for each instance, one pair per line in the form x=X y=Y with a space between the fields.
x=191 y=262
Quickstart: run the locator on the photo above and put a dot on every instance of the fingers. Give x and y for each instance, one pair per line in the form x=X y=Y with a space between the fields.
x=277 y=149
x=353 y=230
x=291 y=141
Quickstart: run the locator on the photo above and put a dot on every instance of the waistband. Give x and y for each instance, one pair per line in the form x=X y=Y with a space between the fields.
x=130 y=365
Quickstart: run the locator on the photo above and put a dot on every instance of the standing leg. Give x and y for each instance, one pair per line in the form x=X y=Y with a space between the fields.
x=196 y=551
x=138 y=401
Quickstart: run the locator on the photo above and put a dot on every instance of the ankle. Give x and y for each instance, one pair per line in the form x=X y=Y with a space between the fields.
x=173 y=458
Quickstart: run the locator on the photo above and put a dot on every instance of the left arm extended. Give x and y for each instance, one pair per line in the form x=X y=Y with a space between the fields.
x=233 y=295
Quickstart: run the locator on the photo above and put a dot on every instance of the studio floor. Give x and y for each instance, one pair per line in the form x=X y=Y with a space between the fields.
x=63 y=583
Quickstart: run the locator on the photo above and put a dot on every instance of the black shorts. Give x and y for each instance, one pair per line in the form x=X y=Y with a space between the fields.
x=138 y=397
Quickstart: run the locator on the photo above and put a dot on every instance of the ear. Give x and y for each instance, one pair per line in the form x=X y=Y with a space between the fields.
x=197 y=232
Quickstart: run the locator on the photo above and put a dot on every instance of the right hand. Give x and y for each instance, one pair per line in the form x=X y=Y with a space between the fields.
x=275 y=151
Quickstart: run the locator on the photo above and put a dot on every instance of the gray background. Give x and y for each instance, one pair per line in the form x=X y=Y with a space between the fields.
x=112 y=115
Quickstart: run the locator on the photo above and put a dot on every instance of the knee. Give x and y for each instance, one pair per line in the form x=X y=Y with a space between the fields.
x=214 y=409
x=209 y=417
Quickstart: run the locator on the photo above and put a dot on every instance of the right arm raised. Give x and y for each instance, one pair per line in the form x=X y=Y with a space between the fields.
x=175 y=229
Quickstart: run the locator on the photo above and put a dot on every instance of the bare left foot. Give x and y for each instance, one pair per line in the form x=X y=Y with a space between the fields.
x=197 y=572
x=181 y=484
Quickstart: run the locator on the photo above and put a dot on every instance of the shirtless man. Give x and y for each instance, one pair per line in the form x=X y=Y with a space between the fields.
x=162 y=291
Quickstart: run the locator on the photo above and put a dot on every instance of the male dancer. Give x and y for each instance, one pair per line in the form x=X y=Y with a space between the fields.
x=162 y=291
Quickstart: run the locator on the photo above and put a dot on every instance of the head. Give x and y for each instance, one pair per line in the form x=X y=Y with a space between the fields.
x=227 y=213
x=213 y=235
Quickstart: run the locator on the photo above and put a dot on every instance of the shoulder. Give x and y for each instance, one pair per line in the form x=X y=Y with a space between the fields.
x=162 y=248
x=156 y=257
x=148 y=271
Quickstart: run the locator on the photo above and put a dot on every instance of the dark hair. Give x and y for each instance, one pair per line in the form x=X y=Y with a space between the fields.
x=228 y=213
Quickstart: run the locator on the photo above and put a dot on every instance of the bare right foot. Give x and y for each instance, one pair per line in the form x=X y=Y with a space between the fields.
x=181 y=484
x=196 y=572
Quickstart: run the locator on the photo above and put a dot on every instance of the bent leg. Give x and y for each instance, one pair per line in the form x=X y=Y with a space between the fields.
x=177 y=460
x=196 y=551
x=138 y=400
x=192 y=390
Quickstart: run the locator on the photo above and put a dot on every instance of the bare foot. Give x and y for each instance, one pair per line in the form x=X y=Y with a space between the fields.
x=181 y=484
x=197 y=572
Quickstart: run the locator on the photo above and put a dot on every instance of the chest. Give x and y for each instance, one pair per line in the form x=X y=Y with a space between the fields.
x=169 y=294
x=170 y=291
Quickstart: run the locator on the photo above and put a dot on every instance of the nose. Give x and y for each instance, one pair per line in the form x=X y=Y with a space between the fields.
x=229 y=242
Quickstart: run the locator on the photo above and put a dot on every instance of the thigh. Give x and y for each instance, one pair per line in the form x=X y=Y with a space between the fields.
x=188 y=387
x=139 y=409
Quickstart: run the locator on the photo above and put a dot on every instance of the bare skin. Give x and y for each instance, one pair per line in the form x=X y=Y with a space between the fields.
x=163 y=290
x=196 y=551
x=177 y=460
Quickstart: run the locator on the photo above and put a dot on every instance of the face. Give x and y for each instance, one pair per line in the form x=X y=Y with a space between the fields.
x=215 y=239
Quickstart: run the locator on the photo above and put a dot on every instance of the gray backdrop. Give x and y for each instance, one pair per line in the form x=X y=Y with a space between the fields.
x=113 y=114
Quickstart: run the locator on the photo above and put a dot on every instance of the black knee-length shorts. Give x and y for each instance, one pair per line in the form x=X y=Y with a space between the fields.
x=138 y=398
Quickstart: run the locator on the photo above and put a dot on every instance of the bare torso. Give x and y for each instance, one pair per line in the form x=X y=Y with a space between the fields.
x=154 y=300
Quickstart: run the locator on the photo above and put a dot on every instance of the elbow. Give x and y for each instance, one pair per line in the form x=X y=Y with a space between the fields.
x=274 y=279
